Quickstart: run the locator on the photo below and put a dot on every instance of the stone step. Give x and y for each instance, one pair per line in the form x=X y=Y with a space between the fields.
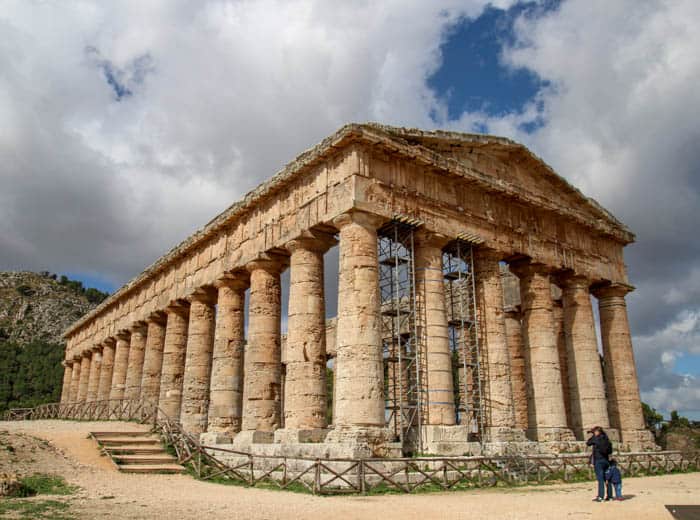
x=124 y=441
x=151 y=468
x=155 y=458
x=134 y=449
x=120 y=434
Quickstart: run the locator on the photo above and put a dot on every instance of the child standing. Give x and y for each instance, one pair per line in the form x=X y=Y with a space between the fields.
x=614 y=477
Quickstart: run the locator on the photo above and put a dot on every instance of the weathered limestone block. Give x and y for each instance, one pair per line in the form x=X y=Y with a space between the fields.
x=121 y=361
x=359 y=371
x=170 y=398
x=624 y=404
x=226 y=392
x=134 y=371
x=263 y=364
x=546 y=411
x=153 y=358
x=94 y=379
x=430 y=285
x=75 y=379
x=586 y=386
x=305 y=377
x=200 y=344
x=84 y=376
x=67 y=376
x=514 y=338
x=492 y=327
x=107 y=367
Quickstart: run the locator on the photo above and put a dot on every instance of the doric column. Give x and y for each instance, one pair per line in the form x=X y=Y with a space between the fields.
x=359 y=370
x=558 y=318
x=75 y=379
x=200 y=343
x=153 y=358
x=586 y=387
x=134 y=370
x=104 y=387
x=84 y=376
x=624 y=404
x=500 y=422
x=514 y=337
x=430 y=284
x=305 y=380
x=170 y=398
x=121 y=361
x=546 y=411
x=95 y=368
x=263 y=364
x=67 y=376
x=226 y=392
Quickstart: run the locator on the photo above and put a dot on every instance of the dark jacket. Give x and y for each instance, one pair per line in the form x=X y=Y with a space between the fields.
x=613 y=475
x=599 y=443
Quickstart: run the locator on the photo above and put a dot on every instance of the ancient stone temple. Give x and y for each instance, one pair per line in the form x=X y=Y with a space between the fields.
x=464 y=323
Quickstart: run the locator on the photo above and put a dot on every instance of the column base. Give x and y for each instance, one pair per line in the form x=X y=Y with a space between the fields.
x=297 y=436
x=504 y=434
x=213 y=438
x=245 y=438
x=637 y=440
x=550 y=434
x=377 y=440
x=443 y=440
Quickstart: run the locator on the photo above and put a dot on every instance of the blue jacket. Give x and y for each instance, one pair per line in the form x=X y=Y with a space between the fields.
x=613 y=475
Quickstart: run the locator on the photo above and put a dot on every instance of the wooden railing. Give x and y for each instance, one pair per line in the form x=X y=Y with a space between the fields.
x=368 y=475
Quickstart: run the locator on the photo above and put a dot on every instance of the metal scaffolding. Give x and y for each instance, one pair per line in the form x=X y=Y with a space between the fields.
x=403 y=351
x=469 y=364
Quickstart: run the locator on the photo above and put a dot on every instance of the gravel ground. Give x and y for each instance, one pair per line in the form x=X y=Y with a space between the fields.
x=106 y=493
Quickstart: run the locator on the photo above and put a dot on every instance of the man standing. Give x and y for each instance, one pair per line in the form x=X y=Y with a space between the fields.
x=602 y=449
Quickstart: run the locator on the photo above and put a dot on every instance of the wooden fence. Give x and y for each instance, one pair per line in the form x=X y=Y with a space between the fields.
x=368 y=475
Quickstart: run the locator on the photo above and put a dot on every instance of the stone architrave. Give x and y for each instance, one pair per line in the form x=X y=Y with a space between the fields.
x=546 y=410
x=263 y=354
x=198 y=360
x=153 y=358
x=226 y=392
x=94 y=379
x=514 y=337
x=67 y=375
x=430 y=283
x=84 y=376
x=170 y=399
x=104 y=387
x=624 y=404
x=75 y=379
x=359 y=368
x=586 y=386
x=492 y=329
x=134 y=370
x=121 y=361
x=305 y=400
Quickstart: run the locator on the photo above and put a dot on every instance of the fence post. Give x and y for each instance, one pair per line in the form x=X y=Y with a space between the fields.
x=317 y=477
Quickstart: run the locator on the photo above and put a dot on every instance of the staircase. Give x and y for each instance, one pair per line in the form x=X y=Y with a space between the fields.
x=137 y=452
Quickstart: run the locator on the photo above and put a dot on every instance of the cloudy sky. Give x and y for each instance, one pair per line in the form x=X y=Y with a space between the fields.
x=125 y=125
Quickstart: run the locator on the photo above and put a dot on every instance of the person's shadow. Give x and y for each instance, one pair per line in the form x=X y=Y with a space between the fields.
x=684 y=512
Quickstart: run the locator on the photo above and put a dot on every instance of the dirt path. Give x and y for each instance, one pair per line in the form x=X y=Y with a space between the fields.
x=106 y=493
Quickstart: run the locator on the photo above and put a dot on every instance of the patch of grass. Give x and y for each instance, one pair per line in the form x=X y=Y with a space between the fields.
x=34 y=509
x=41 y=484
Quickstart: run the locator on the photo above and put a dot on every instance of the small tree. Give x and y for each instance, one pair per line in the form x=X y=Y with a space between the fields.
x=652 y=418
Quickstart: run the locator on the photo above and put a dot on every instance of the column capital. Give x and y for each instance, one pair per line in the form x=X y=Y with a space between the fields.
x=238 y=280
x=316 y=241
x=179 y=307
x=158 y=317
x=570 y=280
x=109 y=342
x=614 y=289
x=526 y=267
x=67 y=363
x=124 y=334
x=426 y=237
x=271 y=263
x=138 y=327
x=205 y=294
x=77 y=358
x=97 y=347
x=487 y=253
x=361 y=218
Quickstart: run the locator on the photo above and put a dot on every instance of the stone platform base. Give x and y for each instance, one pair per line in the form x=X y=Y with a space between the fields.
x=637 y=440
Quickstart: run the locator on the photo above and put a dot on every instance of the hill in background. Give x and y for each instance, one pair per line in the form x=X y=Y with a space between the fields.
x=35 y=309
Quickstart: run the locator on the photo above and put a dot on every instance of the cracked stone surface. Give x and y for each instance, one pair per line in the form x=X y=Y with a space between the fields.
x=84 y=377
x=514 y=338
x=121 y=362
x=173 y=361
x=134 y=368
x=153 y=359
x=94 y=379
x=104 y=387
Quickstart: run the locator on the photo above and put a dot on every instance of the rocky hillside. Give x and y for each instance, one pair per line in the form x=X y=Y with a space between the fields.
x=40 y=307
